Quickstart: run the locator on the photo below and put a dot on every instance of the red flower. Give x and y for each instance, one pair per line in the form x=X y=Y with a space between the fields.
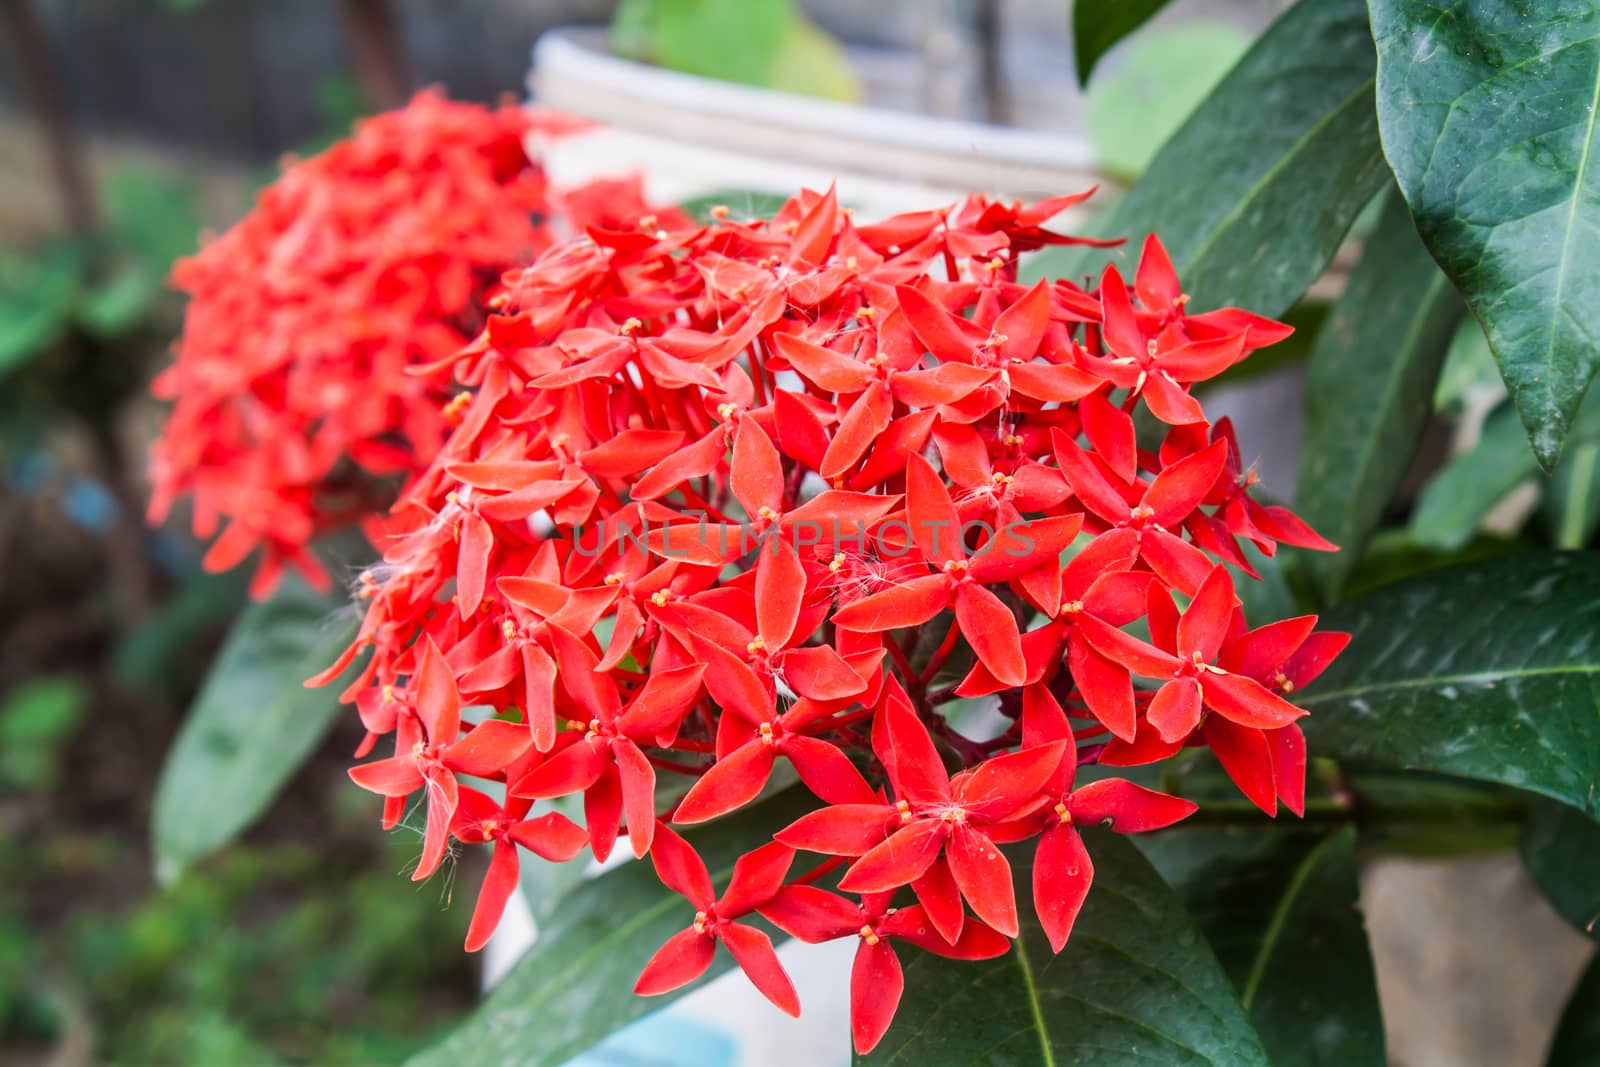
x=876 y=982
x=430 y=752
x=932 y=816
x=480 y=821
x=1186 y=657
x=757 y=876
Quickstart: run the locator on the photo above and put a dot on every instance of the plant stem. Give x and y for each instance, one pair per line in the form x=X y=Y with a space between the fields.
x=41 y=84
x=378 y=52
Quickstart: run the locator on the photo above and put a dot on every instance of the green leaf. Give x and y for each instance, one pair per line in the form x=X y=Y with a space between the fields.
x=813 y=62
x=733 y=40
x=37 y=719
x=575 y=985
x=1572 y=501
x=1369 y=391
x=1137 y=981
x=252 y=725
x=1257 y=190
x=37 y=293
x=1486 y=671
x=1459 y=497
x=1468 y=369
x=1561 y=850
x=1099 y=24
x=1130 y=113
x=1488 y=110
x=152 y=216
x=1269 y=900
x=1577 y=1041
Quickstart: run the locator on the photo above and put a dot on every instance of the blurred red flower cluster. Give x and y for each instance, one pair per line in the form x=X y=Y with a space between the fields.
x=296 y=405
x=756 y=491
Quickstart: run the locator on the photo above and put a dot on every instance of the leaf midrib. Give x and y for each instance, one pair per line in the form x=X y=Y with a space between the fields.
x=1475 y=678
x=1280 y=918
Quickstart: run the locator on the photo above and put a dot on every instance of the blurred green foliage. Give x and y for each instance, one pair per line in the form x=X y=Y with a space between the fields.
x=767 y=43
x=272 y=954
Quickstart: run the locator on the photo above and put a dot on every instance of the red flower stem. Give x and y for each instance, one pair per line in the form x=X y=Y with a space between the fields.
x=690 y=769
x=833 y=863
x=941 y=653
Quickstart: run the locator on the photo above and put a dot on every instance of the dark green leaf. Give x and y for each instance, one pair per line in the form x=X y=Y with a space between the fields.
x=152 y=216
x=1369 y=390
x=1486 y=670
x=575 y=985
x=1099 y=24
x=1257 y=190
x=1136 y=982
x=252 y=725
x=1561 y=849
x=1488 y=110
x=1466 y=490
x=1577 y=1041
x=1270 y=901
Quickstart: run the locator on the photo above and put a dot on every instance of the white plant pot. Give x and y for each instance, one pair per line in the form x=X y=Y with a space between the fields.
x=691 y=135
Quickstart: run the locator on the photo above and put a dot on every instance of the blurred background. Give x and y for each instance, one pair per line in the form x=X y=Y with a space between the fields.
x=129 y=126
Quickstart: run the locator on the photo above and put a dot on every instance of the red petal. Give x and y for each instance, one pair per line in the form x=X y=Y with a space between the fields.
x=552 y=836
x=1157 y=281
x=638 y=780
x=813 y=915
x=472 y=562
x=1104 y=685
x=491 y=746
x=732 y=782
x=602 y=812
x=753 y=951
x=780 y=590
x=1179 y=488
x=684 y=957
x=441 y=790
x=1261 y=652
x=940 y=898
x=1247 y=703
x=438 y=699
x=991 y=629
x=840 y=830
x=571 y=770
x=876 y=984
x=539 y=695
x=1001 y=784
x=1110 y=431
x=865 y=420
x=1062 y=874
x=820 y=673
x=1289 y=767
x=911 y=760
x=732 y=684
x=681 y=869
x=1120 y=326
x=1023 y=324
x=826 y=771
x=1127 y=808
x=984 y=877
x=834 y=371
x=396 y=776
x=898 y=861
x=660 y=705
x=935 y=526
x=1247 y=757
x=1175 y=711
x=757 y=472
x=757 y=877
x=1141 y=658
x=498 y=885
x=911 y=604
x=1205 y=623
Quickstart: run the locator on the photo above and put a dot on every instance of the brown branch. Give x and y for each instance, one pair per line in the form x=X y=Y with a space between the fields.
x=379 y=52
x=41 y=85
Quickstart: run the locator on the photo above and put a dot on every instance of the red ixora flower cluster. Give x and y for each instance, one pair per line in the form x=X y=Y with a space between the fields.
x=782 y=491
x=297 y=406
